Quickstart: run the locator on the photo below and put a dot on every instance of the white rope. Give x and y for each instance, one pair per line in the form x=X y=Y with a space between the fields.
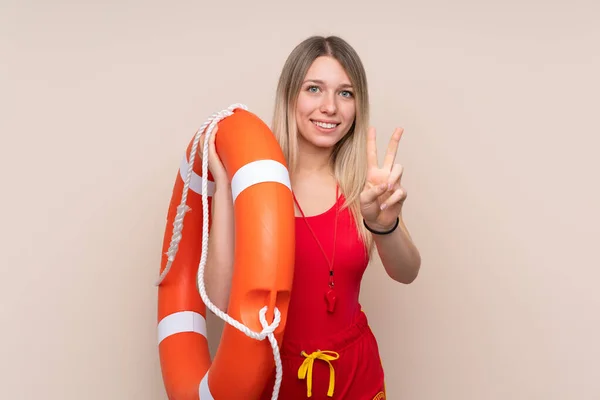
x=183 y=207
x=268 y=330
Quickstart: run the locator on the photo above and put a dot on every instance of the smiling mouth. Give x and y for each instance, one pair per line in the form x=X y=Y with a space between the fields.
x=325 y=125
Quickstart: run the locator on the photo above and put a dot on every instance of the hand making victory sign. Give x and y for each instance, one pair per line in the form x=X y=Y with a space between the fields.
x=382 y=197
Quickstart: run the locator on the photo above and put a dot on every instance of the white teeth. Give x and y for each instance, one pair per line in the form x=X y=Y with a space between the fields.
x=324 y=125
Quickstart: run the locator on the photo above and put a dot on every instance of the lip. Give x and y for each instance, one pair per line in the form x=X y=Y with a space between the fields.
x=324 y=130
x=324 y=121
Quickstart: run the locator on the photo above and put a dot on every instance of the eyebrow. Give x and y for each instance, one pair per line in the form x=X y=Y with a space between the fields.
x=320 y=82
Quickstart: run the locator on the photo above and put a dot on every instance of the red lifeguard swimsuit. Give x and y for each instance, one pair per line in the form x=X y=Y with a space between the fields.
x=338 y=346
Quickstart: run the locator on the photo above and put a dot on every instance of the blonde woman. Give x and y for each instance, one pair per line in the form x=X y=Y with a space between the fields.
x=347 y=205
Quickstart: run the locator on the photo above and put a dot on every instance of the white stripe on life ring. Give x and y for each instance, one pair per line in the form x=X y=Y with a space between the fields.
x=258 y=172
x=183 y=321
x=196 y=180
x=203 y=390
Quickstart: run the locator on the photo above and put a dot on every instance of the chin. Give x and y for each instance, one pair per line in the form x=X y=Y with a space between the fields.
x=322 y=142
x=327 y=142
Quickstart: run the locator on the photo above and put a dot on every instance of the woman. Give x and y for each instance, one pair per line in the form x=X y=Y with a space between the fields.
x=346 y=206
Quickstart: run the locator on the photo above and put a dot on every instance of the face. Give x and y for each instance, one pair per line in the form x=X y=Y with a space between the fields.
x=326 y=106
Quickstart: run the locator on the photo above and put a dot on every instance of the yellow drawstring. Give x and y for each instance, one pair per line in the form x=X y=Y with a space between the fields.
x=307 y=366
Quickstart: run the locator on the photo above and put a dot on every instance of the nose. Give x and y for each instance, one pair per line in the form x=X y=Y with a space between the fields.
x=328 y=105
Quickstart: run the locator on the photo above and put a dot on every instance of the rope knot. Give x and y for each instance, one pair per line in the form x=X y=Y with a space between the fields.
x=268 y=329
x=182 y=209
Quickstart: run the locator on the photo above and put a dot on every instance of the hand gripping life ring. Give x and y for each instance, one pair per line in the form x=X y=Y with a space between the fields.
x=263 y=266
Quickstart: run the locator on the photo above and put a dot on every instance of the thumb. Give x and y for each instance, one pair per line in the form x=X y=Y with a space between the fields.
x=200 y=150
x=370 y=195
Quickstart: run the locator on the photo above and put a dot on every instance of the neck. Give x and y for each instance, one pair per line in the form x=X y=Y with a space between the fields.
x=313 y=160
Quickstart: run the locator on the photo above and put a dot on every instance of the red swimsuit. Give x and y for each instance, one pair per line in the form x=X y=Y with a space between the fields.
x=328 y=355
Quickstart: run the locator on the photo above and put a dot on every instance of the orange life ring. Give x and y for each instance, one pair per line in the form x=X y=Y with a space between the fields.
x=263 y=267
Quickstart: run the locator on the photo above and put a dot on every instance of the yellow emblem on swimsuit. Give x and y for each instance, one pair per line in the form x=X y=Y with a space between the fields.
x=379 y=396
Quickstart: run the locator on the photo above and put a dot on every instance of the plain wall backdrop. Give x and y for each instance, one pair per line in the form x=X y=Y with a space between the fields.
x=499 y=101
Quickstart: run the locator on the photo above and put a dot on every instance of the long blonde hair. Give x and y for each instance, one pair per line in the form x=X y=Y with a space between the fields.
x=349 y=156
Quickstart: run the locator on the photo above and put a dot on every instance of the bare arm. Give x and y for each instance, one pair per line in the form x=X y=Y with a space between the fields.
x=218 y=271
x=219 y=262
x=381 y=205
x=399 y=255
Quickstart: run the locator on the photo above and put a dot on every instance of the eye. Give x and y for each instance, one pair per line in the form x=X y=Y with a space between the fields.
x=313 y=89
x=347 y=93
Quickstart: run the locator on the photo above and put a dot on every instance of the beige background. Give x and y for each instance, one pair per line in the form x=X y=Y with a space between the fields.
x=500 y=105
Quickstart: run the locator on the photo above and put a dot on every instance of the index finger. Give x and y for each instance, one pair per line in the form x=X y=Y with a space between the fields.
x=213 y=134
x=390 y=155
x=371 y=148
